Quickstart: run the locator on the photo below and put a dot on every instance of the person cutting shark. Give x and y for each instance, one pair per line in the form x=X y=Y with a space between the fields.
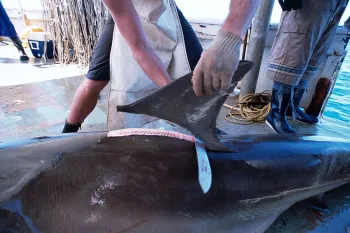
x=150 y=45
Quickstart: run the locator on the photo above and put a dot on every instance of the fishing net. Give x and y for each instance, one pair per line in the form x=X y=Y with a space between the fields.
x=75 y=26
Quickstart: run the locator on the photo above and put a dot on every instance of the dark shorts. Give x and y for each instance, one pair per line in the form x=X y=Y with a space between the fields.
x=99 y=66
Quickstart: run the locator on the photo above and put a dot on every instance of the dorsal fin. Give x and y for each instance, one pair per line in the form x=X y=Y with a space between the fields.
x=177 y=103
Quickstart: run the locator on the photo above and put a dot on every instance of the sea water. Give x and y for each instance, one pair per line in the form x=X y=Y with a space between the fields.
x=338 y=106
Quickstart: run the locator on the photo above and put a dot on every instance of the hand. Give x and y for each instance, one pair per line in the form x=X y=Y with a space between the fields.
x=217 y=64
x=288 y=5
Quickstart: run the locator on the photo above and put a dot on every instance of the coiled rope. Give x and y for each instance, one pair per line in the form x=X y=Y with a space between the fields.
x=251 y=108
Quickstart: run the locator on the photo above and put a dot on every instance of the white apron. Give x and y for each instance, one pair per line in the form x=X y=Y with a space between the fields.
x=129 y=83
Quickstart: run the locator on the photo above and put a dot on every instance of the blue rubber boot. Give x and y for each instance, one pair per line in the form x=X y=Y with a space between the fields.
x=285 y=103
x=300 y=115
x=273 y=117
x=280 y=102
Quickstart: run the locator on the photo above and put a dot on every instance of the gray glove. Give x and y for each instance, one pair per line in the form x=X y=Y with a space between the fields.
x=217 y=64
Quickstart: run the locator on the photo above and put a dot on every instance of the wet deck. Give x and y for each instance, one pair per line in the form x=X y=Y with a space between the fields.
x=40 y=108
x=327 y=127
x=35 y=98
x=40 y=105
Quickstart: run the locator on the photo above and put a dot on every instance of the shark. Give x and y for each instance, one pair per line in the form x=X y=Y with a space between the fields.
x=146 y=180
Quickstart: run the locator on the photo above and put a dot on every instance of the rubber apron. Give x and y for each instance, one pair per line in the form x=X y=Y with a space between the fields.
x=129 y=83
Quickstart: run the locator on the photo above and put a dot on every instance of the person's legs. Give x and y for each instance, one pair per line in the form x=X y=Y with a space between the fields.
x=85 y=98
x=18 y=43
x=8 y=30
x=318 y=55
x=193 y=47
x=84 y=102
x=295 y=111
x=280 y=101
x=296 y=39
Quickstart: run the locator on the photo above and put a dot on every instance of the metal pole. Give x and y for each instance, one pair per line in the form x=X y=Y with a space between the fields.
x=257 y=41
x=245 y=42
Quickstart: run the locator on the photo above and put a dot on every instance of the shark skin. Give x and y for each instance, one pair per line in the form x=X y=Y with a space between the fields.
x=97 y=182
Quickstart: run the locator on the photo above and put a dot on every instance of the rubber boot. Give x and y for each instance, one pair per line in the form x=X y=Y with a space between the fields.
x=18 y=43
x=286 y=99
x=71 y=128
x=273 y=117
x=276 y=119
x=300 y=115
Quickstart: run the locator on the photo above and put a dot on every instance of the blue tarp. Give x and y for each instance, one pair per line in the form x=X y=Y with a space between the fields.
x=6 y=27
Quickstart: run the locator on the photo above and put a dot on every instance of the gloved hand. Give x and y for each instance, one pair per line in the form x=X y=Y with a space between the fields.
x=288 y=5
x=217 y=64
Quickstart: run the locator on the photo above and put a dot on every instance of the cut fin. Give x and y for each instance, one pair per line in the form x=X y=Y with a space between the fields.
x=176 y=102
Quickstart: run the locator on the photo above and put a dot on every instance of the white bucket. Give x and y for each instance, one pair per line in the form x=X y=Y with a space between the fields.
x=40 y=36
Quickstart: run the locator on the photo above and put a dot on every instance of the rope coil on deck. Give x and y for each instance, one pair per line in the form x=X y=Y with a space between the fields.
x=251 y=108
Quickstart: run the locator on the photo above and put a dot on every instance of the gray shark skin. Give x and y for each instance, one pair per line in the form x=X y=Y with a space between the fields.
x=88 y=182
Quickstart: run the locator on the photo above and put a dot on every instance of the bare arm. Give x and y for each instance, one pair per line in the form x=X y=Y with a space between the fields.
x=240 y=16
x=129 y=25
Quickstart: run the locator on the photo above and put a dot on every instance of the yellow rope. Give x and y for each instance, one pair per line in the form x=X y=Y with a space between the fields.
x=250 y=109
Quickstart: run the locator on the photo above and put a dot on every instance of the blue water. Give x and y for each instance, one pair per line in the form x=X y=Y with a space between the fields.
x=338 y=106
